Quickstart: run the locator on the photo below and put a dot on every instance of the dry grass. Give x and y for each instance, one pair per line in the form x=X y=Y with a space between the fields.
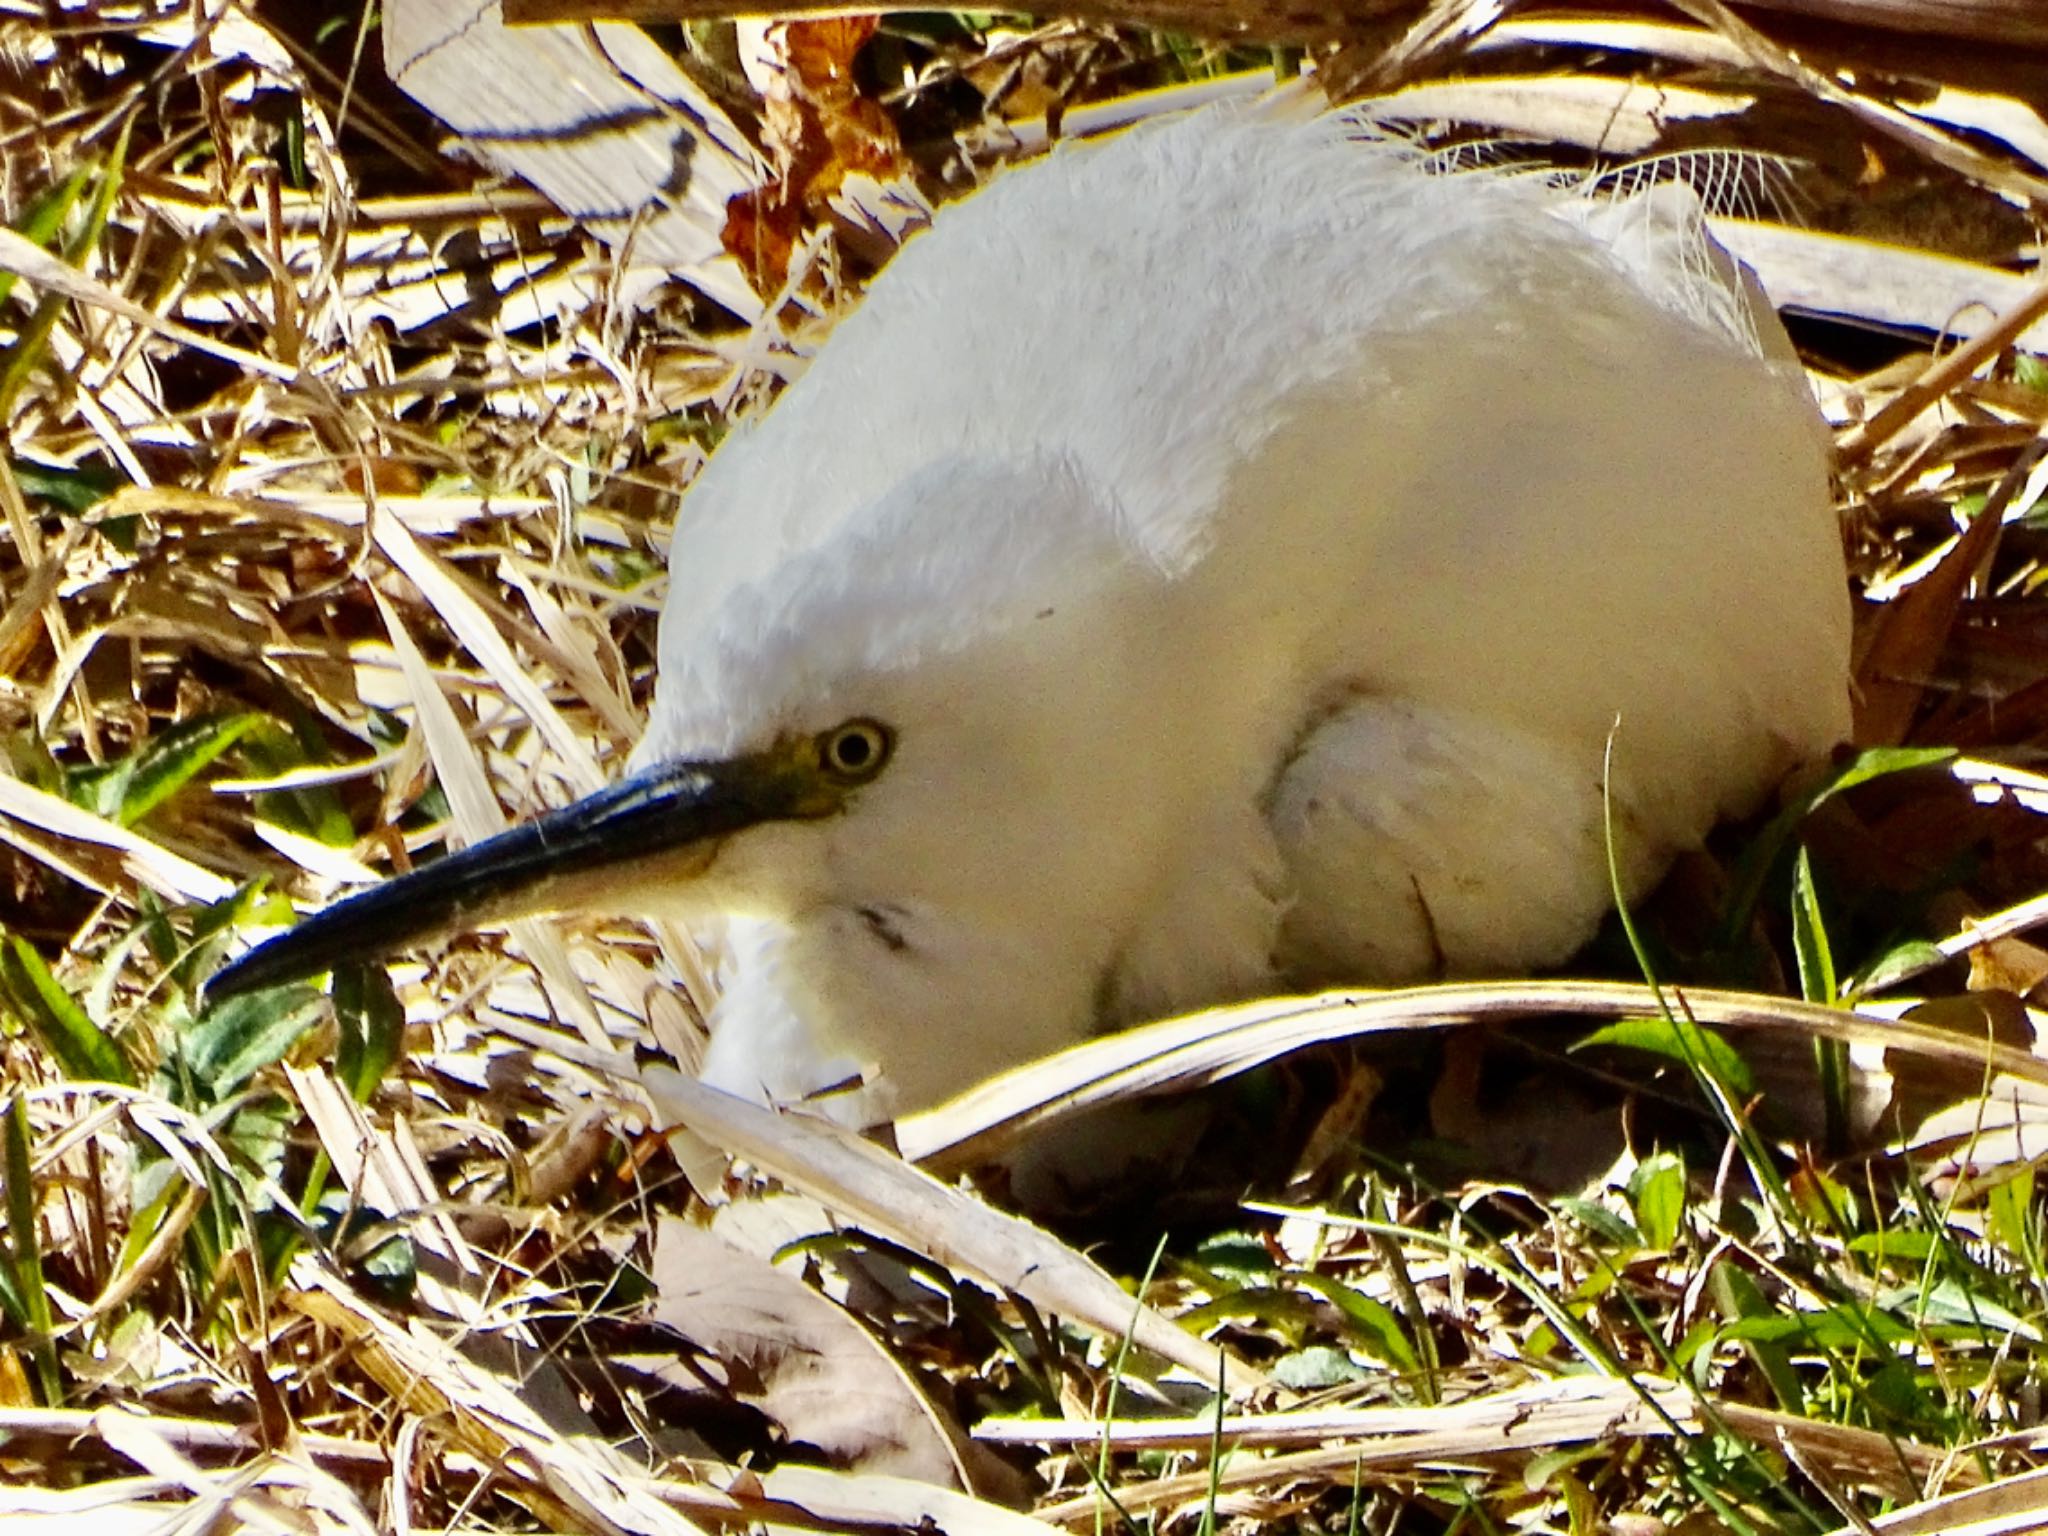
x=317 y=435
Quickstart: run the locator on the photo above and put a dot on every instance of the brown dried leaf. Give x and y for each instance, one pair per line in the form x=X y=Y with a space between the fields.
x=883 y=1194
x=820 y=55
x=1924 y=1087
x=1200 y=1048
x=762 y=226
x=1902 y=645
x=824 y=131
x=2011 y=966
x=803 y=1360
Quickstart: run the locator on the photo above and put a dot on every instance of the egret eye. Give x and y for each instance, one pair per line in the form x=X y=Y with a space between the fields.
x=854 y=752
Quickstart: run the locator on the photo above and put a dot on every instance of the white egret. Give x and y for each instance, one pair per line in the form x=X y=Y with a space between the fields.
x=1211 y=560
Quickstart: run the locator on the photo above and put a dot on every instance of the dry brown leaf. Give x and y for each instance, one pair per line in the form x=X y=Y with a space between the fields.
x=1201 y=1048
x=823 y=132
x=879 y=1191
x=1861 y=278
x=803 y=1360
x=576 y=1483
x=598 y=118
x=1901 y=647
x=1612 y=116
x=1545 y=1416
x=2013 y=1506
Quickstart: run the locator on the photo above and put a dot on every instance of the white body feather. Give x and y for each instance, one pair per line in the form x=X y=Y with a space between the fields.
x=1252 y=540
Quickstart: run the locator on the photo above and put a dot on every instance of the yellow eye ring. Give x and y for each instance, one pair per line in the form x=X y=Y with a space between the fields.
x=855 y=752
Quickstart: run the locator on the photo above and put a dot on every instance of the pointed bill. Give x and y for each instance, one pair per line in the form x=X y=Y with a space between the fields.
x=566 y=860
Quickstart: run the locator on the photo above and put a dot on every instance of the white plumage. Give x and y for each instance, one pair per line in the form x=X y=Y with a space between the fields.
x=1252 y=539
x=1246 y=539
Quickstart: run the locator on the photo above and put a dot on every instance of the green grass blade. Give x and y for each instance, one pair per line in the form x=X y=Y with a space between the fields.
x=174 y=758
x=1690 y=1045
x=235 y=1039
x=45 y=217
x=20 y=359
x=1753 y=870
x=1810 y=937
x=270 y=750
x=372 y=1028
x=74 y=489
x=26 y=1256
x=85 y=1051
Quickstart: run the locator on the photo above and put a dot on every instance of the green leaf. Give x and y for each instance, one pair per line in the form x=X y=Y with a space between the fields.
x=1897 y=1391
x=296 y=175
x=12 y=1303
x=129 y=789
x=154 y=924
x=78 y=489
x=174 y=758
x=1375 y=1325
x=1810 y=936
x=376 y=1249
x=98 y=787
x=45 y=217
x=1693 y=1347
x=1817 y=984
x=210 y=924
x=1827 y=1204
x=255 y=1136
x=372 y=1027
x=1596 y=1218
x=1949 y=1301
x=1831 y=1328
x=1237 y=1257
x=28 y=1297
x=1761 y=857
x=1551 y=1466
x=1877 y=762
x=1317 y=1368
x=1742 y=1305
x=1603 y=1275
x=270 y=750
x=2009 y=1209
x=1896 y=1246
x=156 y=1185
x=1657 y=1191
x=86 y=1052
x=235 y=1039
x=1682 y=1041
x=121 y=532
x=19 y=358
x=1895 y=965
x=390 y=1269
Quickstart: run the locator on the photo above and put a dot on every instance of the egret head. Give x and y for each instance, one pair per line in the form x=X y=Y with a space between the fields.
x=909 y=748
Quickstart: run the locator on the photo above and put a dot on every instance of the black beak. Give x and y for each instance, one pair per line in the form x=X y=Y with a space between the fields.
x=552 y=864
